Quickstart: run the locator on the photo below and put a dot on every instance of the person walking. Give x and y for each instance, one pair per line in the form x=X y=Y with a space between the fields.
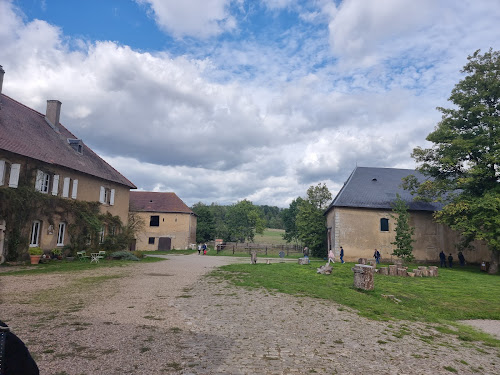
x=331 y=256
x=199 y=249
x=376 y=255
x=306 y=252
x=341 y=255
x=450 y=261
x=442 y=259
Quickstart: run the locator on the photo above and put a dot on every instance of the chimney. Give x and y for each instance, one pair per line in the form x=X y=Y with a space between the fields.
x=2 y=72
x=53 y=113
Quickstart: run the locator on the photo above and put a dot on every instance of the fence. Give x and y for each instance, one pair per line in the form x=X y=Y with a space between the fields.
x=266 y=249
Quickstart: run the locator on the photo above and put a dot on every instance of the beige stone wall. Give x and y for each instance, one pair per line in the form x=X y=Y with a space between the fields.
x=88 y=190
x=179 y=227
x=358 y=231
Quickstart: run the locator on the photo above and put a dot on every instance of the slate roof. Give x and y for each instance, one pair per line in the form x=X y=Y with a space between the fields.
x=25 y=132
x=377 y=188
x=147 y=201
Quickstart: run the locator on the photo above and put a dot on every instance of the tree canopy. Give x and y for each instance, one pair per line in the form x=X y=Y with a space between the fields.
x=463 y=165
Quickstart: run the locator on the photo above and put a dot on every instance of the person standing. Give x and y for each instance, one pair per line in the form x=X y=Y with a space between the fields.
x=341 y=255
x=376 y=255
x=442 y=259
x=331 y=256
x=306 y=252
x=450 y=261
x=461 y=258
x=199 y=249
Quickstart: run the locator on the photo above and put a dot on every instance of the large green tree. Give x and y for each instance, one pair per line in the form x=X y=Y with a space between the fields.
x=243 y=220
x=205 y=225
x=289 y=217
x=310 y=221
x=464 y=162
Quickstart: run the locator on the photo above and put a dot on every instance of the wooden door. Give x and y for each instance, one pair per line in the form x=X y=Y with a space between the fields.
x=164 y=243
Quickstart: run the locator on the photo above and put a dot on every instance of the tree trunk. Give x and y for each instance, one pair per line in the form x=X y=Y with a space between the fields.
x=494 y=262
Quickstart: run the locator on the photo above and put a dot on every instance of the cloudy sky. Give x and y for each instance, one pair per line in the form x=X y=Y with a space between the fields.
x=223 y=100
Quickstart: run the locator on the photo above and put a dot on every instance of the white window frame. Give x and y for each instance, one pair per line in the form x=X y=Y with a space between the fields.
x=60 y=234
x=112 y=198
x=55 y=184
x=42 y=182
x=101 y=235
x=35 y=233
x=74 y=189
x=14 y=175
x=2 y=172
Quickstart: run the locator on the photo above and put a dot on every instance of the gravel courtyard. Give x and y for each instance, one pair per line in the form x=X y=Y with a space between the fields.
x=167 y=318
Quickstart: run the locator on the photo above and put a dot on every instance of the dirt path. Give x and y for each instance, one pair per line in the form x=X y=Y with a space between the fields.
x=165 y=317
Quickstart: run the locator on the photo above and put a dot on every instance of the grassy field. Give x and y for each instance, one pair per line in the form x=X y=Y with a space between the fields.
x=457 y=294
x=271 y=237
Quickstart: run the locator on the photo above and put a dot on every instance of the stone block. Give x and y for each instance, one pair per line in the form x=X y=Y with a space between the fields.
x=425 y=272
x=393 y=270
x=363 y=276
x=417 y=272
x=411 y=274
x=372 y=263
x=402 y=272
x=422 y=268
x=303 y=260
x=362 y=261
x=384 y=270
x=434 y=270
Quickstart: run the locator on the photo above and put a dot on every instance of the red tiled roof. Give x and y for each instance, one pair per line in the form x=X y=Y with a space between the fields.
x=24 y=131
x=148 y=201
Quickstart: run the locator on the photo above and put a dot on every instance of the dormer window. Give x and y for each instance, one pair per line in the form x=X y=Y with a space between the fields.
x=76 y=144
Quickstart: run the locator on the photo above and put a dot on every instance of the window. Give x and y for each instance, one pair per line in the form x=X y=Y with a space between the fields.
x=2 y=172
x=107 y=196
x=14 y=175
x=151 y=241
x=35 y=233
x=55 y=185
x=74 y=190
x=60 y=235
x=384 y=225
x=101 y=235
x=154 y=221
x=42 y=181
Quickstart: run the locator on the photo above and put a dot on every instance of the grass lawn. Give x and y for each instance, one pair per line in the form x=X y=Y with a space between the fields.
x=271 y=237
x=457 y=294
x=66 y=266
x=170 y=252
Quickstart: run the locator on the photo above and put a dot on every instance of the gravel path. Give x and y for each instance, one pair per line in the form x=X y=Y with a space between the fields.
x=165 y=317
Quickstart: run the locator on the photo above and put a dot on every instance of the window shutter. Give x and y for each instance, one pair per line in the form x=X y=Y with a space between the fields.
x=66 y=187
x=14 y=175
x=55 y=184
x=39 y=180
x=101 y=195
x=2 y=171
x=75 y=189
x=112 y=198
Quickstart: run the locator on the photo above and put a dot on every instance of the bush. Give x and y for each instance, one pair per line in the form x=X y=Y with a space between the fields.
x=138 y=254
x=35 y=251
x=125 y=255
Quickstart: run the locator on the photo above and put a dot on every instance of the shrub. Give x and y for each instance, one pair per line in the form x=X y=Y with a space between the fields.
x=138 y=254
x=35 y=251
x=125 y=255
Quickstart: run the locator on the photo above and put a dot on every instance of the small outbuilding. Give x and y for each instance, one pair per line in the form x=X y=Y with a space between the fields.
x=168 y=222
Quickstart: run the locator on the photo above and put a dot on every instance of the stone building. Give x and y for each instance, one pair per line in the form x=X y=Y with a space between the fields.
x=168 y=222
x=36 y=150
x=359 y=219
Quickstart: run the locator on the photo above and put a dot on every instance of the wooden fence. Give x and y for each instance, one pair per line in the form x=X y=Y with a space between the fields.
x=266 y=249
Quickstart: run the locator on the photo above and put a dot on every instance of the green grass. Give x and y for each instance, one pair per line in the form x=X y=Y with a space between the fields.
x=456 y=294
x=170 y=252
x=271 y=237
x=66 y=266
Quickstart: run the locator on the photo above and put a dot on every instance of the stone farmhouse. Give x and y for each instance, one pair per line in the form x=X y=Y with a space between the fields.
x=359 y=219
x=36 y=150
x=168 y=222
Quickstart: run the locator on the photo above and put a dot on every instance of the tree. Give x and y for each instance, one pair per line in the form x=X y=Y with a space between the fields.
x=463 y=165
x=243 y=221
x=404 y=232
x=205 y=224
x=289 y=217
x=310 y=221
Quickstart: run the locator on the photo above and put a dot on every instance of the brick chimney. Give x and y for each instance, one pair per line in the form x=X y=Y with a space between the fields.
x=53 y=113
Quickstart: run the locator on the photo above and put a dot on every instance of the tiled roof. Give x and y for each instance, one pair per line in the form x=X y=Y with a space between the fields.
x=147 y=201
x=377 y=188
x=24 y=131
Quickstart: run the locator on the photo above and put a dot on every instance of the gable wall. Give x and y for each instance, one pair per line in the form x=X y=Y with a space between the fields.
x=180 y=227
x=357 y=230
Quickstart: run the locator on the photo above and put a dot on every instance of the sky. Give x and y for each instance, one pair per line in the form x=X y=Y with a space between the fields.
x=225 y=100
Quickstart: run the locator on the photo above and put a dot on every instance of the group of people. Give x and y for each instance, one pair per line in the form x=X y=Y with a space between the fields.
x=331 y=256
x=442 y=259
x=202 y=247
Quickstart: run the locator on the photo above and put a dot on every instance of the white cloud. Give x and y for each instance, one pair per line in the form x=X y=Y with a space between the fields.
x=196 y=18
